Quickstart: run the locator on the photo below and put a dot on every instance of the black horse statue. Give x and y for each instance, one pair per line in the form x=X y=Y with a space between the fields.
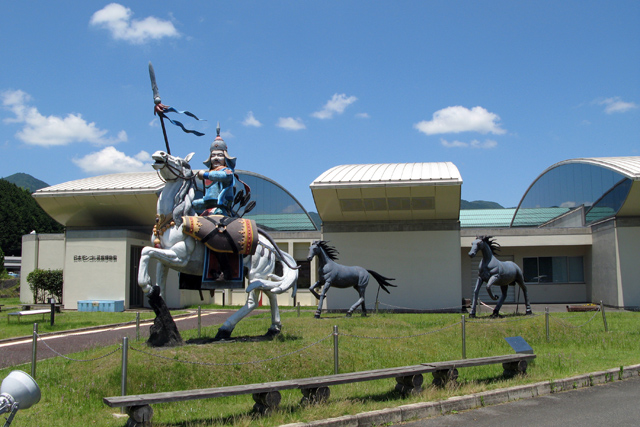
x=495 y=272
x=331 y=273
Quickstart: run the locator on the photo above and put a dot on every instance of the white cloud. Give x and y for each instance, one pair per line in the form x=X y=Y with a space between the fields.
x=460 y=119
x=117 y=19
x=250 y=120
x=110 y=160
x=616 y=105
x=46 y=131
x=336 y=105
x=290 y=123
x=487 y=144
x=363 y=115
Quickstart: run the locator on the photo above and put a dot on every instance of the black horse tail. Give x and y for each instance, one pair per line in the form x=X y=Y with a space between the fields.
x=382 y=281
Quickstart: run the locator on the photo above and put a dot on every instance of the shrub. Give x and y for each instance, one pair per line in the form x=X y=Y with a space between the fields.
x=45 y=283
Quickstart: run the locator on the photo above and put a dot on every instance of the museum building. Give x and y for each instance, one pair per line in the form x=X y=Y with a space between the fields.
x=574 y=233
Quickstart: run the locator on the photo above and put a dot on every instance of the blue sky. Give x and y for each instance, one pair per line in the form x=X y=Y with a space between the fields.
x=502 y=89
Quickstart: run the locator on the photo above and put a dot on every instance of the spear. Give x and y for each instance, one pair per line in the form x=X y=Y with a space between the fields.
x=158 y=105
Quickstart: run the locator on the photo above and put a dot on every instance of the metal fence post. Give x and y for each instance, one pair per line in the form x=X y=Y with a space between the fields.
x=199 y=320
x=604 y=317
x=464 y=339
x=546 y=321
x=298 y=308
x=123 y=379
x=335 y=349
x=137 y=326
x=34 y=350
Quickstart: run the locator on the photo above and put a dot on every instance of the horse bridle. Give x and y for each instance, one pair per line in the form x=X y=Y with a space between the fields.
x=175 y=171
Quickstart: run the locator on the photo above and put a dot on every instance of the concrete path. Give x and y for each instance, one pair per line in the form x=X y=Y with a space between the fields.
x=613 y=404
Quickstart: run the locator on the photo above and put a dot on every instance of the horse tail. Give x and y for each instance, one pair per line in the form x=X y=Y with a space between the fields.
x=277 y=249
x=382 y=281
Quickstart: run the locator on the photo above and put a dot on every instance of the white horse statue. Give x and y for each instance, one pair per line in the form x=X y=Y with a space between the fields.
x=175 y=250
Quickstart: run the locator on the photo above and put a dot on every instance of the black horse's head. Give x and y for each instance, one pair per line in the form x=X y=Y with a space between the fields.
x=479 y=243
x=318 y=246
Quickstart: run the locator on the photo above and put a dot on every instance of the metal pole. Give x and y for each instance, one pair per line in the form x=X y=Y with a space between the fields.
x=546 y=321
x=123 y=379
x=137 y=326
x=53 y=310
x=199 y=320
x=604 y=317
x=335 y=349
x=298 y=308
x=464 y=339
x=34 y=350
x=377 y=303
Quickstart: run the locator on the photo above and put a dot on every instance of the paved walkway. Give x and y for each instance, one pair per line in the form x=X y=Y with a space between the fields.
x=18 y=351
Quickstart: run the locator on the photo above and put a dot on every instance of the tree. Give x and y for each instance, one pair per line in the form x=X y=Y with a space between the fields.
x=2 y=269
x=19 y=215
x=45 y=283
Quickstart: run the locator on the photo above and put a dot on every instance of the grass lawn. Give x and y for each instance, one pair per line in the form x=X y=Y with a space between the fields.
x=72 y=391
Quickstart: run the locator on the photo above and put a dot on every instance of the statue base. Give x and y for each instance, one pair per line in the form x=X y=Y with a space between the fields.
x=163 y=332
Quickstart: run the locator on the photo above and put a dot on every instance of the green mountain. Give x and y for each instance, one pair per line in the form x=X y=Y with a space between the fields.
x=479 y=204
x=20 y=214
x=26 y=181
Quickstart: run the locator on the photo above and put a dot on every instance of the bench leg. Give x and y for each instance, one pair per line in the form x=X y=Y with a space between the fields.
x=511 y=369
x=139 y=416
x=266 y=402
x=315 y=395
x=444 y=377
x=410 y=384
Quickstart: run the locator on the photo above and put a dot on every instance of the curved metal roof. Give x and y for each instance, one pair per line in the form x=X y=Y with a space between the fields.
x=118 y=183
x=627 y=166
x=389 y=174
x=129 y=200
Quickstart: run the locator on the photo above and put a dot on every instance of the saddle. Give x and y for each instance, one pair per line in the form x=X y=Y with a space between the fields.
x=223 y=234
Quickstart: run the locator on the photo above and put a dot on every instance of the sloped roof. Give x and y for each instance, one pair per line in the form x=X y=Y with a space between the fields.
x=119 y=183
x=388 y=174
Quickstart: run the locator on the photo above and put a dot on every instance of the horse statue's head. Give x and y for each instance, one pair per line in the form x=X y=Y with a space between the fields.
x=482 y=241
x=179 y=190
x=318 y=246
x=170 y=168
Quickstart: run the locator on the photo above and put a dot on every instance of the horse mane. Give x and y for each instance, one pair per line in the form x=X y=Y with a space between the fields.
x=183 y=199
x=491 y=242
x=331 y=251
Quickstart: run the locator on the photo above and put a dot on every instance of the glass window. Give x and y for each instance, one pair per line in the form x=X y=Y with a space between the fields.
x=567 y=187
x=576 y=269
x=557 y=269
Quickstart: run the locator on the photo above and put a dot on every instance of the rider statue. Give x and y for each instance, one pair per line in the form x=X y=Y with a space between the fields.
x=219 y=181
x=220 y=192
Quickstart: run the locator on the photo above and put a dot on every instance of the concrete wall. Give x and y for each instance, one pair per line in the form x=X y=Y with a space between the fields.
x=514 y=243
x=425 y=264
x=98 y=265
x=628 y=236
x=604 y=265
x=43 y=251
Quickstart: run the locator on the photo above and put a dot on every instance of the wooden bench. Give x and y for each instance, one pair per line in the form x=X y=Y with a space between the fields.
x=27 y=307
x=20 y=314
x=267 y=396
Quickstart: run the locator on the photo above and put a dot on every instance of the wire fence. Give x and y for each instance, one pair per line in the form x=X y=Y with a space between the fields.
x=335 y=334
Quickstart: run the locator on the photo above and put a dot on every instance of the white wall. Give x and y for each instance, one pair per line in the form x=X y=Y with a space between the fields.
x=44 y=251
x=629 y=266
x=425 y=264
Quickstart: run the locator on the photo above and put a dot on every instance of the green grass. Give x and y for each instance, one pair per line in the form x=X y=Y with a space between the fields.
x=72 y=391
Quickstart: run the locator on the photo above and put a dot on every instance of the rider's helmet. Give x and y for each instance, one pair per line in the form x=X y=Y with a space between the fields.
x=219 y=144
